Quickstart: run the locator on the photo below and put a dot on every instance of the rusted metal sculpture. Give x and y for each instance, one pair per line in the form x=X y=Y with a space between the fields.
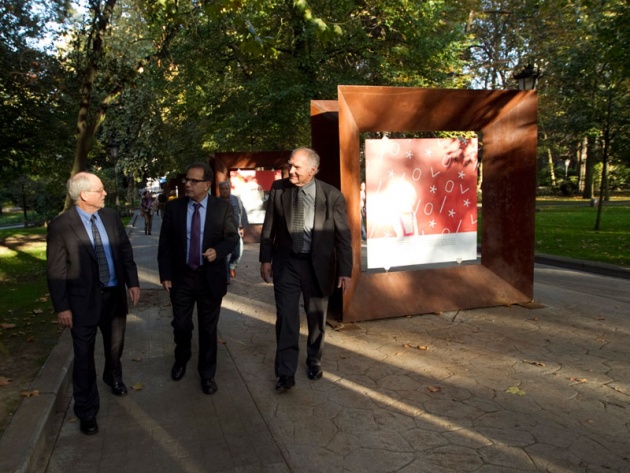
x=506 y=121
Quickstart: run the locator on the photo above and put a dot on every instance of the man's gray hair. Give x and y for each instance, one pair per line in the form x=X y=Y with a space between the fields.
x=78 y=183
x=311 y=154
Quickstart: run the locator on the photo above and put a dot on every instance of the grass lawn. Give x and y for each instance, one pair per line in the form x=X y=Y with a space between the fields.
x=567 y=230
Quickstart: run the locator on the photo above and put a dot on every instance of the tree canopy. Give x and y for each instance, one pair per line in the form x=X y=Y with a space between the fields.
x=167 y=82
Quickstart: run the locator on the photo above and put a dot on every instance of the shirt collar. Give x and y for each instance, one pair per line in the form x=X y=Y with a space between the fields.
x=85 y=216
x=308 y=188
x=203 y=203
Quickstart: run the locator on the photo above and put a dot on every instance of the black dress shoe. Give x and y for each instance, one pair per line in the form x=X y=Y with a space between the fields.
x=285 y=383
x=178 y=371
x=208 y=386
x=314 y=372
x=119 y=389
x=89 y=426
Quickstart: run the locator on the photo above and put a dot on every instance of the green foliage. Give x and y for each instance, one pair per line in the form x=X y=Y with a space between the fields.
x=32 y=91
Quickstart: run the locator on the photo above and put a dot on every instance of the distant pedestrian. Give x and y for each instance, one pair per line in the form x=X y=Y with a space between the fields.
x=240 y=219
x=146 y=209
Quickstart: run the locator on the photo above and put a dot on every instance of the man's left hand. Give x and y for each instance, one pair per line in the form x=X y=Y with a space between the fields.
x=134 y=294
x=343 y=283
x=210 y=255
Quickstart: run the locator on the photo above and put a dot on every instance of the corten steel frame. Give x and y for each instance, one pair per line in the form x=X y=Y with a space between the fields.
x=507 y=121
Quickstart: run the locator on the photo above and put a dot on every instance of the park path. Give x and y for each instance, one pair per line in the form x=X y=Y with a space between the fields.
x=502 y=389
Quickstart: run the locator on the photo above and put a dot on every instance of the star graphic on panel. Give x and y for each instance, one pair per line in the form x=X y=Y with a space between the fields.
x=388 y=234
x=433 y=189
x=409 y=155
x=432 y=223
x=391 y=173
x=451 y=213
x=428 y=152
x=461 y=174
x=466 y=203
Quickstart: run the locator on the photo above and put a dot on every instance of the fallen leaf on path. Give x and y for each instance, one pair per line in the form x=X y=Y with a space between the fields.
x=38 y=311
x=138 y=358
x=434 y=389
x=536 y=363
x=6 y=326
x=579 y=380
x=137 y=386
x=515 y=390
x=27 y=394
x=221 y=341
x=5 y=381
x=417 y=347
x=30 y=339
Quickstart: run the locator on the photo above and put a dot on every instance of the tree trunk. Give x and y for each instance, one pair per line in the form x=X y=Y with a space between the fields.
x=589 y=176
x=582 y=156
x=603 y=188
x=86 y=127
x=552 y=171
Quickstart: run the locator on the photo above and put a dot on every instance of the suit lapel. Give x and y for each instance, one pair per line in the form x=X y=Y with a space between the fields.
x=76 y=225
x=320 y=209
x=287 y=194
x=181 y=220
x=207 y=224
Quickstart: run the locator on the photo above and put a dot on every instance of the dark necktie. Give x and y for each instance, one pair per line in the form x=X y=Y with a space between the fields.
x=297 y=225
x=103 y=268
x=195 y=237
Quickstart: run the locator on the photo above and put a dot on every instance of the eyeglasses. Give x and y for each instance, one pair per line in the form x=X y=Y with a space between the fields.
x=193 y=181
x=101 y=191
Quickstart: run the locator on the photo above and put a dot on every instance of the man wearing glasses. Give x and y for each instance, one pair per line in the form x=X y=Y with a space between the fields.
x=89 y=262
x=198 y=232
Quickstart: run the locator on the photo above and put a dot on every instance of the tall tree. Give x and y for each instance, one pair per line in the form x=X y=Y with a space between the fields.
x=32 y=91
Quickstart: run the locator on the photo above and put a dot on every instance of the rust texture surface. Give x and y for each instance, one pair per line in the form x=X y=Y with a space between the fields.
x=506 y=121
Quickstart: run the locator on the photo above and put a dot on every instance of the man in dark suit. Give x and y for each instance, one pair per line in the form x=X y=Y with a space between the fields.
x=89 y=263
x=198 y=232
x=305 y=248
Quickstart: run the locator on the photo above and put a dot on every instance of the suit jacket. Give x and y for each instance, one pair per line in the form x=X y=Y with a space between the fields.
x=72 y=267
x=331 y=250
x=220 y=233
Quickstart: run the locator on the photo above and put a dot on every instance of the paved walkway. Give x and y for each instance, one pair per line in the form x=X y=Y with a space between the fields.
x=504 y=389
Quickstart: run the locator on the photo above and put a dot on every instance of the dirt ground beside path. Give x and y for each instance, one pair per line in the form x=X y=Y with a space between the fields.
x=28 y=329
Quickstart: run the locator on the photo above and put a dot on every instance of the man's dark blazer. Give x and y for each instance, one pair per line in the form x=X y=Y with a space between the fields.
x=331 y=251
x=72 y=267
x=220 y=233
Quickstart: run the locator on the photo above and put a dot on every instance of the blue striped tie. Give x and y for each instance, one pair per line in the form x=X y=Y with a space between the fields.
x=103 y=268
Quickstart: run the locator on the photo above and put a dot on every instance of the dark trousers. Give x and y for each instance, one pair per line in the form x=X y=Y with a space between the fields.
x=298 y=278
x=112 y=326
x=193 y=288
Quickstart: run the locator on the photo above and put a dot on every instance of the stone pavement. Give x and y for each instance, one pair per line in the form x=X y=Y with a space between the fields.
x=503 y=389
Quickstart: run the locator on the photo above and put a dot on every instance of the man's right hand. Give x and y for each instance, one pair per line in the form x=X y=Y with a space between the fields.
x=167 y=285
x=266 y=272
x=65 y=318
